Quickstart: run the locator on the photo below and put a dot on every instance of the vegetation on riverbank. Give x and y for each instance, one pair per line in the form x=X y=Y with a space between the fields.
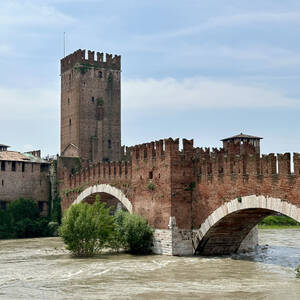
x=278 y=222
x=22 y=219
x=88 y=229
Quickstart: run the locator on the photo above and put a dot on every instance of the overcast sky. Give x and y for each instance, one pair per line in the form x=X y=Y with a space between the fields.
x=195 y=69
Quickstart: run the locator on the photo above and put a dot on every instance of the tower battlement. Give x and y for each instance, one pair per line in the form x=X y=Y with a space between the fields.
x=101 y=60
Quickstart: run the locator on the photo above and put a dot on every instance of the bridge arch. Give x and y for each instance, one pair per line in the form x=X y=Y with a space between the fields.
x=224 y=230
x=105 y=189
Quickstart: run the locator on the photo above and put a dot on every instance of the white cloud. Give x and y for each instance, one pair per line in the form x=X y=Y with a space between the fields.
x=26 y=13
x=226 y=21
x=196 y=93
x=28 y=104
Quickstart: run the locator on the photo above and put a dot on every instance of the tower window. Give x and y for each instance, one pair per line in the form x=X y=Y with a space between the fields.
x=2 y=165
x=109 y=144
x=70 y=122
x=2 y=182
x=23 y=167
x=93 y=99
x=70 y=77
x=100 y=75
x=68 y=100
x=13 y=166
x=151 y=175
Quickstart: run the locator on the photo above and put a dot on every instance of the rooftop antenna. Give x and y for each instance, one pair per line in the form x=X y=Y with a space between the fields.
x=64 y=44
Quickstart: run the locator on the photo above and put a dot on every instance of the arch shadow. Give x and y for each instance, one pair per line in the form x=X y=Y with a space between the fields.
x=224 y=230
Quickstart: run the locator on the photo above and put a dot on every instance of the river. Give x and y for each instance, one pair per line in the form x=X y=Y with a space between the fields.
x=43 y=269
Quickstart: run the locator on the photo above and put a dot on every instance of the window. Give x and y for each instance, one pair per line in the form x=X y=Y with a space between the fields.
x=70 y=122
x=23 y=167
x=93 y=99
x=151 y=175
x=41 y=205
x=2 y=165
x=3 y=205
x=2 y=182
x=68 y=100
x=100 y=75
x=109 y=144
x=13 y=166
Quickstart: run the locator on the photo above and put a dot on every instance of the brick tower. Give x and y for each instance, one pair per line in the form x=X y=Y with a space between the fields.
x=91 y=106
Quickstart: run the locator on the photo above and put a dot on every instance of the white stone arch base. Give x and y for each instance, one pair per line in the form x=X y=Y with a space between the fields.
x=105 y=188
x=243 y=203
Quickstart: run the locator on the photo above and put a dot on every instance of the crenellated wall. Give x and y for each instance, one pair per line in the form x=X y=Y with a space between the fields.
x=79 y=57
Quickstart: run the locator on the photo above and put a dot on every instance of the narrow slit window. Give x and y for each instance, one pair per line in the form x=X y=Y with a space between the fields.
x=2 y=165
x=70 y=122
x=23 y=167
x=93 y=99
x=13 y=166
x=100 y=75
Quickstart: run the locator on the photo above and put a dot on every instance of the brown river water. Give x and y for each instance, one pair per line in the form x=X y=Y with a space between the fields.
x=43 y=269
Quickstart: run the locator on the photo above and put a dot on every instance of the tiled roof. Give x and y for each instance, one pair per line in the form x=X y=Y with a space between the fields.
x=17 y=156
x=241 y=135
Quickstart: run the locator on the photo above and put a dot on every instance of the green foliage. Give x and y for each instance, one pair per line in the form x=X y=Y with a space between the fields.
x=53 y=228
x=150 y=186
x=239 y=199
x=86 y=228
x=99 y=101
x=5 y=225
x=56 y=210
x=279 y=220
x=298 y=272
x=22 y=220
x=133 y=233
x=22 y=209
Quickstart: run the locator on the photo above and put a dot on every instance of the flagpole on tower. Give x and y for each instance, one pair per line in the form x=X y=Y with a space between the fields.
x=64 y=44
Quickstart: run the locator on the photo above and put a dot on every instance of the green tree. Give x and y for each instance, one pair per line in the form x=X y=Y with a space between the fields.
x=5 y=225
x=25 y=220
x=86 y=228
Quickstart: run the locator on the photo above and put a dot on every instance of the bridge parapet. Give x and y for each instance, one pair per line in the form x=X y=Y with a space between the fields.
x=213 y=165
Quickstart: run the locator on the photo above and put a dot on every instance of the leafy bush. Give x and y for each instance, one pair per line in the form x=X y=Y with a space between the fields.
x=86 y=228
x=5 y=226
x=133 y=233
x=279 y=220
x=22 y=220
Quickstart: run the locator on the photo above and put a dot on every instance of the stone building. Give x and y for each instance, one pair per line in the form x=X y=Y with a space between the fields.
x=23 y=175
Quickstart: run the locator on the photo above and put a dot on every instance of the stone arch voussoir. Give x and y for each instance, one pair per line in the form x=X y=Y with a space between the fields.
x=105 y=188
x=242 y=203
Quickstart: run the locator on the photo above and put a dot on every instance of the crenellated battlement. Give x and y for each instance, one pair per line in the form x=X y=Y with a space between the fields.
x=101 y=60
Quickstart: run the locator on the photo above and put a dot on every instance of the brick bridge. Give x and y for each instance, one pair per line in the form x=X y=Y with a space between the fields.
x=199 y=201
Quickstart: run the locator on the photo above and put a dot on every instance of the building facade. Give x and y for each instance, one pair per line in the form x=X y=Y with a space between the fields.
x=24 y=175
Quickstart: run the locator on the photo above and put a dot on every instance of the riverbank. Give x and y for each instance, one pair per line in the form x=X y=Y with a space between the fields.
x=278 y=227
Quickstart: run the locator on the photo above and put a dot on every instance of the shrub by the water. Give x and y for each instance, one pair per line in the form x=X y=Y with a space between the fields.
x=133 y=233
x=86 y=228
x=22 y=220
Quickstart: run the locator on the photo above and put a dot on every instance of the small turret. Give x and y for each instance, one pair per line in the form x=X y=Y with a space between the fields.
x=242 y=144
